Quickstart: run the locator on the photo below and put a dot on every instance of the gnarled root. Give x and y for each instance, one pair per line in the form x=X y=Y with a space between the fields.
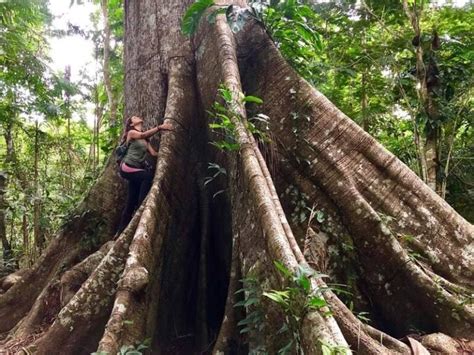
x=57 y=294
x=271 y=221
x=72 y=279
x=133 y=314
x=76 y=324
x=93 y=220
x=377 y=196
x=10 y=280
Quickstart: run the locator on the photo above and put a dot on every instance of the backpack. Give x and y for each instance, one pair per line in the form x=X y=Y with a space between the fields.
x=120 y=152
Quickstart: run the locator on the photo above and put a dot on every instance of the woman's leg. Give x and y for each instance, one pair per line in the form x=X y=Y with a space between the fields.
x=145 y=185
x=133 y=195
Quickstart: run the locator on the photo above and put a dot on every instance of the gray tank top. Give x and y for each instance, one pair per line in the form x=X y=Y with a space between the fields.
x=136 y=153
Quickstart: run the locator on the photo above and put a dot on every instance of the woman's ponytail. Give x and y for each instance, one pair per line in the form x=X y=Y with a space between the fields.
x=128 y=127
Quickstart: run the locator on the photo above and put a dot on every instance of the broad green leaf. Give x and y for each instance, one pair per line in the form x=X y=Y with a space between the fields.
x=317 y=302
x=253 y=99
x=193 y=16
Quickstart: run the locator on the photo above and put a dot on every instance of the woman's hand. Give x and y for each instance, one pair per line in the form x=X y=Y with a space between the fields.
x=151 y=150
x=165 y=127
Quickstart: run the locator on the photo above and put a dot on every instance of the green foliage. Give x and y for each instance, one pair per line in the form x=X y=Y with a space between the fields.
x=360 y=55
x=293 y=26
x=24 y=77
x=253 y=99
x=295 y=301
x=253 y=324
x=223 y=124
x=136 y=349
x=225 y=115
x=330 y=349
x=216 y=170
x=30 y=92
x=193 y=16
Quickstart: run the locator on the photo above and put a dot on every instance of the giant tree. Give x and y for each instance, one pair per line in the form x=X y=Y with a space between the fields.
x=172 y=275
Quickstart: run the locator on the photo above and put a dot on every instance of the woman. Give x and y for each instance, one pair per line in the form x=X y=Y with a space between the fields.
x=133 y=165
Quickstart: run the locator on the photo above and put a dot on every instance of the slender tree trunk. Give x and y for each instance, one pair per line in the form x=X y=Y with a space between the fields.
x=364 y=103
x=92 y=155
x=7 y=252
x=431 y=154
x=20 y=175
x=26 y=236
x=37 y=233
x=67 y=105
x=425 y=89
x=447 y=165
x=364 y=100
x=112 y=101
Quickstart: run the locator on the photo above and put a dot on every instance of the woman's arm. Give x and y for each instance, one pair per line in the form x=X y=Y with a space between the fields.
x=151 y=150
x=147 y=134
x=132 y=134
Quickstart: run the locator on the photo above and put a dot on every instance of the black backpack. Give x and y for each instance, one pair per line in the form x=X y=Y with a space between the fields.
x=120 y=152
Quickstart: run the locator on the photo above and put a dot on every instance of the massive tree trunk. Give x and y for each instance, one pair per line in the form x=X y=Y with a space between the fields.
x=171 y=276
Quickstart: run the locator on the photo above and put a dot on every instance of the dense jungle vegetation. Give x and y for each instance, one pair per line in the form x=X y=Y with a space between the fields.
x=361 y=54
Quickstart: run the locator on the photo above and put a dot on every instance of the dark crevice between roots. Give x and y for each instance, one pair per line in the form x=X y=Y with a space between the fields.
x=180 y=326
x=194 y=264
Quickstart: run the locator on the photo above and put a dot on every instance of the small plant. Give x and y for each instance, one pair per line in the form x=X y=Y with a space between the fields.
x=259 y=120
x=223 y=121
x=253 y=324
x=136 y=349
x=216 y=170
x=330 y=349
x=225 y=115
x=296 y=300
x=364 y=317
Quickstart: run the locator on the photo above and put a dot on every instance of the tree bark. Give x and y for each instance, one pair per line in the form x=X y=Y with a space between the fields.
x=348 y=165
x=368 y=201
x=112 y=101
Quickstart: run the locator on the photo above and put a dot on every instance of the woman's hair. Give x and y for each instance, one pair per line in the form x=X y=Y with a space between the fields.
x=128 y=127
